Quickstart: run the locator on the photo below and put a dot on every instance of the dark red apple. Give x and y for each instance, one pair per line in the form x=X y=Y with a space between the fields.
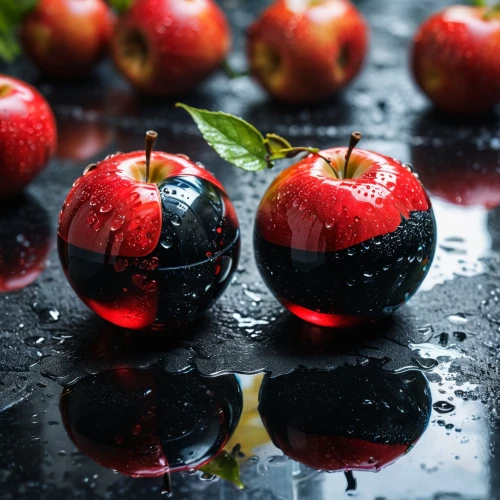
x=455 y=58
x=148 y=239
x=168 y=47
x=347 y=419
x=65 y=38
x=28 y=135
x=344 y=236
x=306 y=50
x=25 y=242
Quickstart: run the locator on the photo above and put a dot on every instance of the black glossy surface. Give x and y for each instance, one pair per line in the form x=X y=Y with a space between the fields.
x=450 y=327
x=365 y=281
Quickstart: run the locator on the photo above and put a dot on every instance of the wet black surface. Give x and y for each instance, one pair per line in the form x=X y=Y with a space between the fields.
x=449 y=330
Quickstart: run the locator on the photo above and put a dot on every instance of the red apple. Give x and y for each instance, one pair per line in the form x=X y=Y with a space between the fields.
x=306 y=50
x=27 y=135
x=25 y=241
x=65 y=38
x=148 y=239
x=344 y=236
x=455 y=58
x=168 y=47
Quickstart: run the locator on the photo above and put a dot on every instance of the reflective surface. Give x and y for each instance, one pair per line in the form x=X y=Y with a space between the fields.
x=448 y=331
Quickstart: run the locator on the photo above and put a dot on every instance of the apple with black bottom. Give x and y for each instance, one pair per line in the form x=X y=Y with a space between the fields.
x=168 y=47
x=25 y=242
x=347 y=419
x=344 y=236
x=454 y=58
x=66 y=38
x=148 y=239
x=148 y=422
x=28 y=135
x=303 y=51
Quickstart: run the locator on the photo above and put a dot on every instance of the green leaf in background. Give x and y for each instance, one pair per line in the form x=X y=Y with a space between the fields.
x=234 y=139
x=226 y=467
x=120 y=5
x=12 y=13
x=479 y=3
x=492 y=11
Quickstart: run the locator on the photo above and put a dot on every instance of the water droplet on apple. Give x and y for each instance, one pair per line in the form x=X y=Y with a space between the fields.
x=167 y=243
x=329 y=223
x=420 y=253
x=107 y=207
x=356 y=219
x=117 y=223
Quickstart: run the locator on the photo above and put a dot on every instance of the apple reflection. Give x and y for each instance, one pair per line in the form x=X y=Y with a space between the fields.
x=347 y=419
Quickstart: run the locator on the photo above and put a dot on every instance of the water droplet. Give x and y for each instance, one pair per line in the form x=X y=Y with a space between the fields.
x=457 y=319
x=409 y=167
x=175 y=220
x=329 y=223
x=167 y=243
x=420 y=253
x=350 y=282
x=443 y=407
x=356 y=219
x=117 y=223
x=107 y=207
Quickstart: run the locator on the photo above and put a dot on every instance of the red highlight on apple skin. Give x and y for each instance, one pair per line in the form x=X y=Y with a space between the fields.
x=304 y=51
x=168 y=47
x=28 y=135
x=66 y=38
x=455 y=59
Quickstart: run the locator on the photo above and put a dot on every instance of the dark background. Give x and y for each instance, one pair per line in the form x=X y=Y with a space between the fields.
x=247 y=331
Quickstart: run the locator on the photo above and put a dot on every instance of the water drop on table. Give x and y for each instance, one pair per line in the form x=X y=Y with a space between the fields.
x=443 y=407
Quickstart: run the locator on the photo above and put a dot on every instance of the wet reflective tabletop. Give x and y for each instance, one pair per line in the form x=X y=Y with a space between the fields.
x=409 y=406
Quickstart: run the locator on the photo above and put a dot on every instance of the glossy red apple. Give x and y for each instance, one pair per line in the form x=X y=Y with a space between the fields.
x=306 y=50
x=148 y=239
x=28 y=135
x=65 y=38
x=455 y=58
x=344 y=236
x=168 y=47
x=25 y=242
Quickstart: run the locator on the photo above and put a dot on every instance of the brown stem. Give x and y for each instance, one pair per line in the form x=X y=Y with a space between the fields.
x=355 y=138
x=151 y=136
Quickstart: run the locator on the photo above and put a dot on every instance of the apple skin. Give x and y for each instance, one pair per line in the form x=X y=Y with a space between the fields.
x=28 y=135
x=148 y=254
x=322 y=419
x=168 y=47
x=66 y=38
x=146 y=423
x=25 y=242
x=305 y=51
x=339 y=252
x=454 y=59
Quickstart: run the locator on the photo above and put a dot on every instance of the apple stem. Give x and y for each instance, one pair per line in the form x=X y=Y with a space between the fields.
x=151 y=136
x=355 y=138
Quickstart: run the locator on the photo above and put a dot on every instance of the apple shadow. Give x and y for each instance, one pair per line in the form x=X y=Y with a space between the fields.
x=98 y=346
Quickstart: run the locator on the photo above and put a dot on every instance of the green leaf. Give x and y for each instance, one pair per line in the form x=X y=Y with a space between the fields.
x=479 y=3
x=226 y=467
x=12 y=13
x=120 y=5
x=277 y=143
x=233 y=138
x=492 y=11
